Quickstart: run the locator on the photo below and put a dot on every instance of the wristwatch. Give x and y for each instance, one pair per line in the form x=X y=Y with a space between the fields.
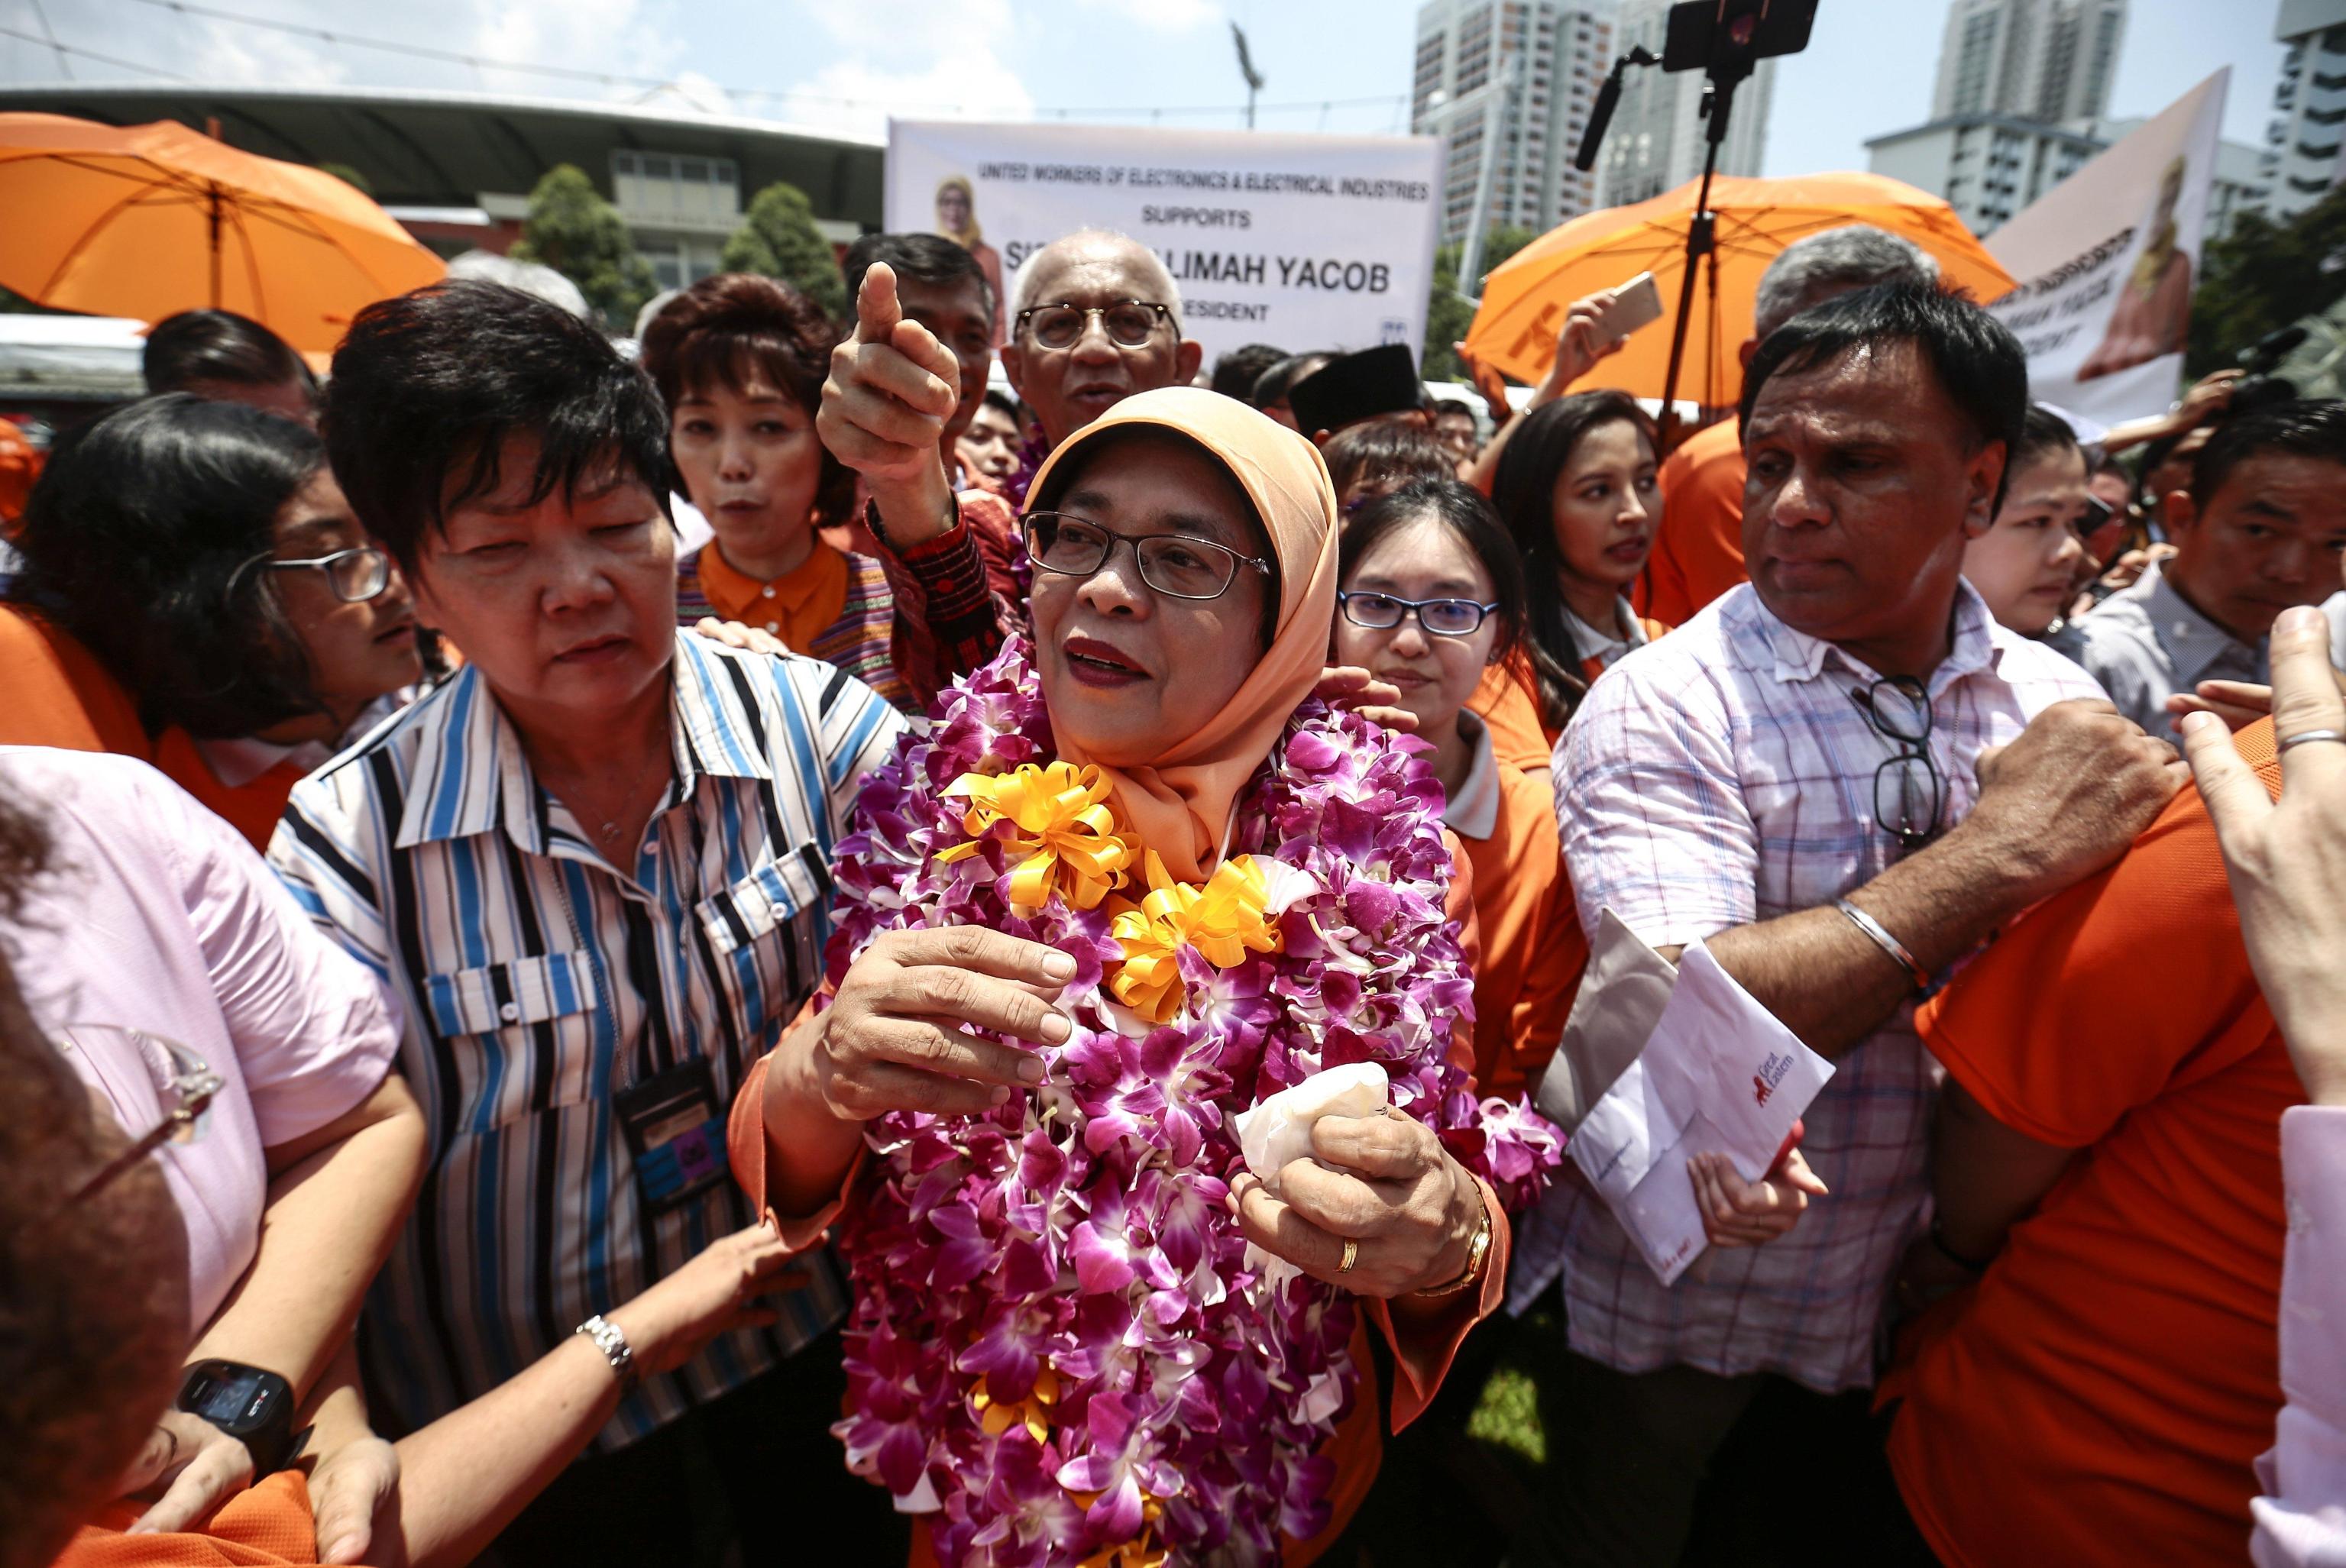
x=255 y=1407
x=1478 y=1253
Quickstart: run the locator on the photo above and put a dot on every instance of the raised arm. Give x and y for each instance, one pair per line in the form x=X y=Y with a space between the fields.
x=2058 y=804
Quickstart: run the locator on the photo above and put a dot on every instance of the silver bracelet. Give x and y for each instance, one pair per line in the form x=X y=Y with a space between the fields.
x=613 y=1344
x=1889 y=944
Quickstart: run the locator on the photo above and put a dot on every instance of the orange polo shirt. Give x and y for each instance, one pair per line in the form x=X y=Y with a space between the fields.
x=59 y=695
x=1699 y=549
x=798 y=606
x=267 y=1526
x=1506 y=700
x=1532 y=948
x=2100 y=1397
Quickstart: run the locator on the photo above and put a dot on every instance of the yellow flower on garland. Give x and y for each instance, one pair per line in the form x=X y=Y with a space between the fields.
x=1066 y=837
x=1034 y=1412
x=1227 y=919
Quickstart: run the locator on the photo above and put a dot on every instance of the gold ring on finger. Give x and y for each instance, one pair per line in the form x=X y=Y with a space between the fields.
x=1351 y=1255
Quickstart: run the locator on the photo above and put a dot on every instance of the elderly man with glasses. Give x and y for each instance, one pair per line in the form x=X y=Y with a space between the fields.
x=1098 y=319
x=1843 y=778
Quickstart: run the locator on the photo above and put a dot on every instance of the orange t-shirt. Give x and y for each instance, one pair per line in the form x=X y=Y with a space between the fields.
x=1699 y=549
x=1506 y=700
x=59 y=695
x=2100 y=1396
x=267 y=1526
x=1533 y=948
x=20 y=467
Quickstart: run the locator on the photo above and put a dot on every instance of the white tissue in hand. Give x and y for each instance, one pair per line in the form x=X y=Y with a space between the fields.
x=1277 y=1131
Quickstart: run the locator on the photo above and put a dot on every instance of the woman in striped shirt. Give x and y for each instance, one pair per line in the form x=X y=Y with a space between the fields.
x=741 y=361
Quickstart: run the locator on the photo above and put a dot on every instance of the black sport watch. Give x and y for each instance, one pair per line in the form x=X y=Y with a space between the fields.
x=253 y=1406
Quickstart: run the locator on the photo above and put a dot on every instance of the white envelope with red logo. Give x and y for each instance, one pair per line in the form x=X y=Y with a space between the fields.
x=1719 y=1074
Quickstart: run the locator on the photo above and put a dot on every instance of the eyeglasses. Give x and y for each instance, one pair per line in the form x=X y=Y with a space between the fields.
x=1440 y=617
x=356 y=575
x=1174 y=565
x=184 y=1086
x=1909 y=796
x=1130 y=323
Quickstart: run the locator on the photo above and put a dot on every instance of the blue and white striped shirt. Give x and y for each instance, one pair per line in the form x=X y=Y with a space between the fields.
x=537 y=982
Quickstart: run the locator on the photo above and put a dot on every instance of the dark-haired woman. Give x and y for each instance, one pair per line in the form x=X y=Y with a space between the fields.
x=195 y=592
x=1577 y=489
x=741 y=361
x=1433 y=598
x=229 y=358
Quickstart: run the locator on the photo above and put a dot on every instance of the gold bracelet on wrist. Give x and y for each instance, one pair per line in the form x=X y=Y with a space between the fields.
x=1478 y=1256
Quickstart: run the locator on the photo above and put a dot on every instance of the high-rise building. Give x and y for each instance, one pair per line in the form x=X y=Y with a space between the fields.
x=1519 y=76
x=1657 y=140
x=2043 y=60
x=2301 y=145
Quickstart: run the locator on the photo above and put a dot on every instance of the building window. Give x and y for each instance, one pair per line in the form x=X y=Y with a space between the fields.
x=651 y=188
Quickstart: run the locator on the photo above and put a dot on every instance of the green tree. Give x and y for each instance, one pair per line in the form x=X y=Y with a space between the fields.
x=1447 y=313
x=778 y=239
x=350 y=177
x=574 y=231
x=2263 y=276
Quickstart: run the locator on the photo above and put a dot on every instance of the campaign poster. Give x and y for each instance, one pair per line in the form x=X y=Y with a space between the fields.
x=1302 y=242
x=2107 y=262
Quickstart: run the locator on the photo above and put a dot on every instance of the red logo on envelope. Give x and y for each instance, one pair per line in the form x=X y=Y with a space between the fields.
x=1761 y=1089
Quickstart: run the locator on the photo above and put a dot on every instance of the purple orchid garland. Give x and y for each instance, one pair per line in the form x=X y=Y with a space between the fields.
x=1057 y=1343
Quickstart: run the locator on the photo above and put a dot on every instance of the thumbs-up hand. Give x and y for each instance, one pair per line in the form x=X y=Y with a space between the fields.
x=892 y=388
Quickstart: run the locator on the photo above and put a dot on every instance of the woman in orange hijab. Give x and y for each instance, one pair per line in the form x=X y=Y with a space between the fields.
x=1184 y=593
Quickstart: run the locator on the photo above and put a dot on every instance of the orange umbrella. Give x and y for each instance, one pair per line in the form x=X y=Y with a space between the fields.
x=1525 y=300
x=148 y=220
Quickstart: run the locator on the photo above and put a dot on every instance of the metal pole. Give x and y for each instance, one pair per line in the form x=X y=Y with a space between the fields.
x=1470 y=253
x=1699 y=243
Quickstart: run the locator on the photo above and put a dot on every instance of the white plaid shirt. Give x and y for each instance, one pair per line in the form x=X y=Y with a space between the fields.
x=1719 y=776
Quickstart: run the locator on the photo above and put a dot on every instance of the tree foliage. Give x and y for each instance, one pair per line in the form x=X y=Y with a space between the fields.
x=2263 y=276
x=1447 y=313
x=350 y=177
x=778 y=239
x=574 y=231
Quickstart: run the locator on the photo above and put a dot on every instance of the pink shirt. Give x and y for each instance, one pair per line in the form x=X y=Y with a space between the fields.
x=155 y=914
x=2301 y=1518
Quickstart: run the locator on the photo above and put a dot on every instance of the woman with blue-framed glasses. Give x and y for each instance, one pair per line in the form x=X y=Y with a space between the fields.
x=1431 y=598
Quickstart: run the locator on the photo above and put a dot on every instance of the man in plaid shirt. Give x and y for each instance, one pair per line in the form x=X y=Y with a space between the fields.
x=1843 y=778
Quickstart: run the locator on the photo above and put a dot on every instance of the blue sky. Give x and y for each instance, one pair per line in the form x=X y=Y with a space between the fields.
x=1867 y=70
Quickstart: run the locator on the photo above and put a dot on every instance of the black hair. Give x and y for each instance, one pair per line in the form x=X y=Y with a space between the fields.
x=1449 y=405
x=1472 y=519
x=930 y=258
x=2307 y=427
x=2043 y=433
x=2106 y=461
x=1524 y=490
x=1108 y=444
x=1274 y=383
x=1976 y=360
x=1003 y=403
x=1236 y=373
x=197 y=346
x=730 y=328
x=1388 y=444
x=428 y=386
x=140 y=541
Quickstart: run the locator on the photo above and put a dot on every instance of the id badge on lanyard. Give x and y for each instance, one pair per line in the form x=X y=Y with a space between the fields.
x=675 y=1131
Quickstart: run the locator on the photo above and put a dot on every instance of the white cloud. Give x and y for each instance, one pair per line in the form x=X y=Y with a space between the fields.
x=1161 y=16
x=851 y=95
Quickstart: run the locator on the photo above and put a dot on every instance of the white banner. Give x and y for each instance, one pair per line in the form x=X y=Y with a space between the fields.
x=1302 y=242
x=2107 y=260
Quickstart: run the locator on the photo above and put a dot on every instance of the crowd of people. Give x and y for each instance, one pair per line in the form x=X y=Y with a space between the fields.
x=603 y=946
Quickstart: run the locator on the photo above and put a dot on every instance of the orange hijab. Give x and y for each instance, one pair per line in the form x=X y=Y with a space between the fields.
x=1181 y=805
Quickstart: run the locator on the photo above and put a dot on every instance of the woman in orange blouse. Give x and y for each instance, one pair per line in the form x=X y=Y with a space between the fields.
x=1433 y=598
x=1577 y=489
x=195 y=592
